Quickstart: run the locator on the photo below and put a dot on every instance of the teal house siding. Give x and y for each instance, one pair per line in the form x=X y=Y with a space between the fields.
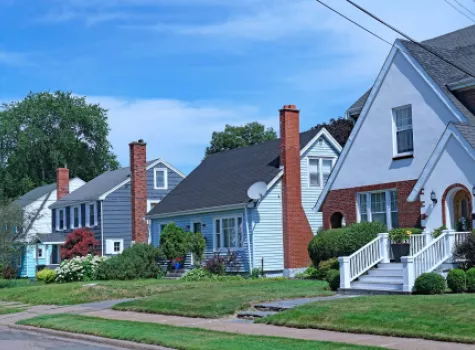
x=207 y=229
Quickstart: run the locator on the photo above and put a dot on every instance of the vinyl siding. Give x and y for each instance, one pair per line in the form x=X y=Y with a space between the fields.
x=206 y=219
x=29 y=261
x=321 y=148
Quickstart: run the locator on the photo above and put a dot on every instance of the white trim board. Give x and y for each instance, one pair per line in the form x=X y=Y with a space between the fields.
x=450 y=132
x=398 y=47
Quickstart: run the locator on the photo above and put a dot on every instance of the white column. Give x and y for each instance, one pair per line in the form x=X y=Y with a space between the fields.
x=408 y=273
x=450 y=243
x=385 y=247
x=345 y=281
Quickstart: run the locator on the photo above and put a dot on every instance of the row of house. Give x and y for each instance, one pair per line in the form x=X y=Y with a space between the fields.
x=408 y=163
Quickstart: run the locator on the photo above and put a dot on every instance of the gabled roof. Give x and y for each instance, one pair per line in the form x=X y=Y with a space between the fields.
x=457 y=47
x=464 y=134
x=102 y=184
x=222 y=179
x=35 y=194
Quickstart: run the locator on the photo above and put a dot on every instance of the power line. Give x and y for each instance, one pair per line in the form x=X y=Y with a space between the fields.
x=355 y=23
x=461 y=5
x=409 y=38
x=459 y=11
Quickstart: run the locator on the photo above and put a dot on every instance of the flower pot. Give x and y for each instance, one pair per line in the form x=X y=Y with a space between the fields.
x=398 y=250
x=177 y=266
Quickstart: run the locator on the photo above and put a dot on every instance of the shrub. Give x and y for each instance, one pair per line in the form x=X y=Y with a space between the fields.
x=46 y=275
x=342 y=242
x=197 y=246
x=333 y=279
x=457 y=280
x=80 y=242
x=138 y=261
x=471 y=280
x=429 y=283
x=438 y=231
x=79 y=268
x=9 y=272
x=325 y=266
x=197 y=275
x=219 y=263
x=174 y=241
x=466 y=251
x=256 y=273
x=310 y=273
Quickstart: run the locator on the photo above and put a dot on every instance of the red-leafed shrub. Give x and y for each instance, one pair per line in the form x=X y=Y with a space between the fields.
x=80 y=242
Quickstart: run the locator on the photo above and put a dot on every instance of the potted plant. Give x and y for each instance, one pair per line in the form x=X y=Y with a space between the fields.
x=399 y=243
x=178 y=263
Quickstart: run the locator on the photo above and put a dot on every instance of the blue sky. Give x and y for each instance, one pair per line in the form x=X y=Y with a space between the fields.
x=172 y=71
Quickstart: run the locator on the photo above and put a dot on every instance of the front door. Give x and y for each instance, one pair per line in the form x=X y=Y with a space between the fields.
x=461 y=211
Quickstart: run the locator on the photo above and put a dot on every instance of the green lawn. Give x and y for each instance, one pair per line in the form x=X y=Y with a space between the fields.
x=175 y=337
x=449 y=317
x=220 y=299
x=78 y=292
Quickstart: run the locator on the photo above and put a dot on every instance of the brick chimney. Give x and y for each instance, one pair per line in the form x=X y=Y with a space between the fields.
x=138 y=188
x=297 y=232
x=62 y=182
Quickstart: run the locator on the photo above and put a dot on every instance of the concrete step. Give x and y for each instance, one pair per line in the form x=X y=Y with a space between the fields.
x=253 y=314
x=386 y=272
x=390 y=266
x=377 y=286
x=381 y=279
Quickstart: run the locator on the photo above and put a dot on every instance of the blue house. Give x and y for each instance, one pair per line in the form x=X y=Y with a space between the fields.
x=39 y=246
x=273 y=231
x=114 y=204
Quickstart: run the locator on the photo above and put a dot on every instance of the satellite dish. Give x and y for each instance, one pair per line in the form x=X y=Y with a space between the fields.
x=257 y=190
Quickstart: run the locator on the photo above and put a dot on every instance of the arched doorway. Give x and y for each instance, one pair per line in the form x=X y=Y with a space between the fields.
x=337 y=220
x=457 y=208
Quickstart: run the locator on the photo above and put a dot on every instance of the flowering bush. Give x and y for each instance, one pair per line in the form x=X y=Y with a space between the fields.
x=80 y=242
x=78 y=268
x=46 y=275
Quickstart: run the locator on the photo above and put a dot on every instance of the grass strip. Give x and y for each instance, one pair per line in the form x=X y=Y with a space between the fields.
x=176 y=337
x=447 y=317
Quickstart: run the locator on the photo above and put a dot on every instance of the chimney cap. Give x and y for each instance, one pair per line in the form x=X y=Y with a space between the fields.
x=140 y=142
x=292 y=107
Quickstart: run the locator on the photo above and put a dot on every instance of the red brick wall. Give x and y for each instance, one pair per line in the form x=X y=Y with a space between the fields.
x=297 y=232
x=62 y=182
x=344 y=201
x=138 y=188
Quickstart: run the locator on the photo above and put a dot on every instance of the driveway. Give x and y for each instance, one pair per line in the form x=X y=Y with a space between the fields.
x=13 y=339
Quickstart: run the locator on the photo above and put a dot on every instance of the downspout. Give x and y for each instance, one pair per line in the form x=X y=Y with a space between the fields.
x=102 y=229
x=251 y=256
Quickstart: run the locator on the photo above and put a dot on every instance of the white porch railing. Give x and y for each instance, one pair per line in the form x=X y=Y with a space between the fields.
x=353 y=266
x=461 y=237
x=417 y=243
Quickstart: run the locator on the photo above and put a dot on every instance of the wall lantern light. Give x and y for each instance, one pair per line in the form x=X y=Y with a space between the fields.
x=473 y=190
x=433 y=197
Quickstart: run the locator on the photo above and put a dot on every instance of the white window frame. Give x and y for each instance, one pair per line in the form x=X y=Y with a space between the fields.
x=165 y=178
x=150 y=202
x=88 y=214
x=221 y=233
x=58 y=228
x=387 y=203
x=71 y=215
x=396 y=153
x=320 y=170
x=111 y=244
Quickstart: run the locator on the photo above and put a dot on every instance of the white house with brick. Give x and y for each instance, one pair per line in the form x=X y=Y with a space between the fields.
x=409 y=161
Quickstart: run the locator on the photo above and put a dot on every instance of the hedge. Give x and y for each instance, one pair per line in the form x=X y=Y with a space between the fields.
x=429 y=283
x=457 y=280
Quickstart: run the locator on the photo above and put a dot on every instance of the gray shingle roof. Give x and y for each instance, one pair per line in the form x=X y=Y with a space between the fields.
x=35 y=194
x=224 y=178
x=358 y=105
x=467 y=131
x=457 y=47
x=52 y=237
x=93 y=189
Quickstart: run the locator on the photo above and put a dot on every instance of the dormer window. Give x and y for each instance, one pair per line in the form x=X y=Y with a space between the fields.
x=403 y=135
x=160 y=179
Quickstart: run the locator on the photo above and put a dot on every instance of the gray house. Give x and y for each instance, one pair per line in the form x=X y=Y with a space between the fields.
x=114 y=204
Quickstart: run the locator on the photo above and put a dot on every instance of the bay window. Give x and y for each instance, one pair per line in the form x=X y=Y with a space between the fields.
x=228 y=232
x=378 y=206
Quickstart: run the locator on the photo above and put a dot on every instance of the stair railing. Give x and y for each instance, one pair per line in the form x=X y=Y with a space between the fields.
x=417 y=243
x=373 y=253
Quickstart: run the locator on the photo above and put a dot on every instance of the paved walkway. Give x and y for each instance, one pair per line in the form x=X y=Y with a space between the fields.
x=235 y=326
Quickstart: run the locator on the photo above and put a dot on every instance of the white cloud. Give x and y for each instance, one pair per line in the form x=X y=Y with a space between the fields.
x=177 y=131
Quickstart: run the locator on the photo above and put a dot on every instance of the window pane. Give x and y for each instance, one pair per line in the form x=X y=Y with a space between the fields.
x=76 y=217
x=314 y=179
x=362 y=203
x=394 y=219
x=380 y=217
x=218 y=235
x=313 y=162
x=327 y=165
x=91 y=214
x=393 y=201
x=404 y=134
x=160 y=179
x=364 y=217
x=240 y=235
x=378 y=202
x=197 y=227
x=404 y=141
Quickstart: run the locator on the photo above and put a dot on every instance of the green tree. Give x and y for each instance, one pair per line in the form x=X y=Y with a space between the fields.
x=45 y=131
x=239 y=136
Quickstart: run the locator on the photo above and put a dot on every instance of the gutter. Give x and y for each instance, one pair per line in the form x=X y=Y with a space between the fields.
x=102 y=230
x=195 y=211
x=251 y=256
x=465 y=83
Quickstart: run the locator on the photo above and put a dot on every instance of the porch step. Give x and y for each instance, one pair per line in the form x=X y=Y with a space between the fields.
x=381 y=279
x=390 y=266
x=386 y=272
x=377 y=286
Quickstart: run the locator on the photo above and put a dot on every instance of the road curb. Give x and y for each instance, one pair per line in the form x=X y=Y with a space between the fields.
x=89 y=338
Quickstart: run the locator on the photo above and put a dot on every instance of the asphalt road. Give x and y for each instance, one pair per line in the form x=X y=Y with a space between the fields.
x=13 y=339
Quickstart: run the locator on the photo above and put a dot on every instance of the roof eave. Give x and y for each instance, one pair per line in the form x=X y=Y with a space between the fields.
x=197 y=211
